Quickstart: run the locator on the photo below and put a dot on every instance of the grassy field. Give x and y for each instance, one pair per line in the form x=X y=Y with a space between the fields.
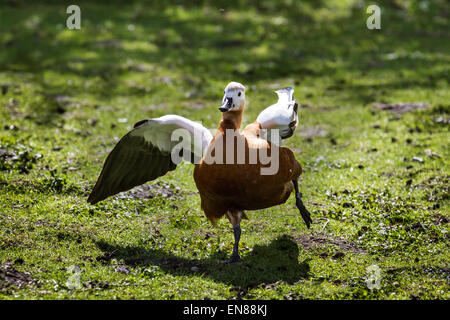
x=373 y=140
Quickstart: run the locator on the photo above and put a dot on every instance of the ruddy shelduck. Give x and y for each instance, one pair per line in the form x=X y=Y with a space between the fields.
x=229 y=173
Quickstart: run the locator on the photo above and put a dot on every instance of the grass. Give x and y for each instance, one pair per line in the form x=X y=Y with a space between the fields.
x=375 y=180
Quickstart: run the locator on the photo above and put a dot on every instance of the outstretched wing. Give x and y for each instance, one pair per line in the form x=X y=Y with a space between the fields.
x=281 y=116
x=146 y=153
x=285 y=95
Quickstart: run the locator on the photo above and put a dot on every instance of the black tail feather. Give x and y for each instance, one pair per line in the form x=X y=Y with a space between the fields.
x=304 y=212
x=301 y=207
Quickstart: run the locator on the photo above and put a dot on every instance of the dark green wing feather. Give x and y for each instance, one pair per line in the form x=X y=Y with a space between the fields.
x=132 y=162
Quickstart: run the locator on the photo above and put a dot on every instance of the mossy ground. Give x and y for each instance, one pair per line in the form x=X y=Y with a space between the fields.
x=376 y=181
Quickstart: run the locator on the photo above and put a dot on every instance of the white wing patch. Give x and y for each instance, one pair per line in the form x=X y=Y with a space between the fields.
x=159 y=131
x=285 y=95
x=281 y=116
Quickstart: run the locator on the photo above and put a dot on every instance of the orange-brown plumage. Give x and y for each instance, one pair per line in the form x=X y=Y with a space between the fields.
x=236 y=187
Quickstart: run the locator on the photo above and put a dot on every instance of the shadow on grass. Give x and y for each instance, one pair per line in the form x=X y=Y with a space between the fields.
x=266 y=264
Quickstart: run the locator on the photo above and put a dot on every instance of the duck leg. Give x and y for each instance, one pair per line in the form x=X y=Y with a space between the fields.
x=301 y=207
x=235 y=220
x=237 y=236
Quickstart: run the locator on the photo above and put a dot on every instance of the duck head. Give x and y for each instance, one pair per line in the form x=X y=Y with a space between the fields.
x=234 y=97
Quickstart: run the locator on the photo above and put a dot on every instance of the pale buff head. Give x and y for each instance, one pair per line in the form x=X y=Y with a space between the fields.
x=234 y=97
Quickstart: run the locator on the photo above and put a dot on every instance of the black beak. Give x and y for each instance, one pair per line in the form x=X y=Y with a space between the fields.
x=227 y=105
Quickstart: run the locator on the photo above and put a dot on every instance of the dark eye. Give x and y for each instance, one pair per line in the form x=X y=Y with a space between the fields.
x=239 y=94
